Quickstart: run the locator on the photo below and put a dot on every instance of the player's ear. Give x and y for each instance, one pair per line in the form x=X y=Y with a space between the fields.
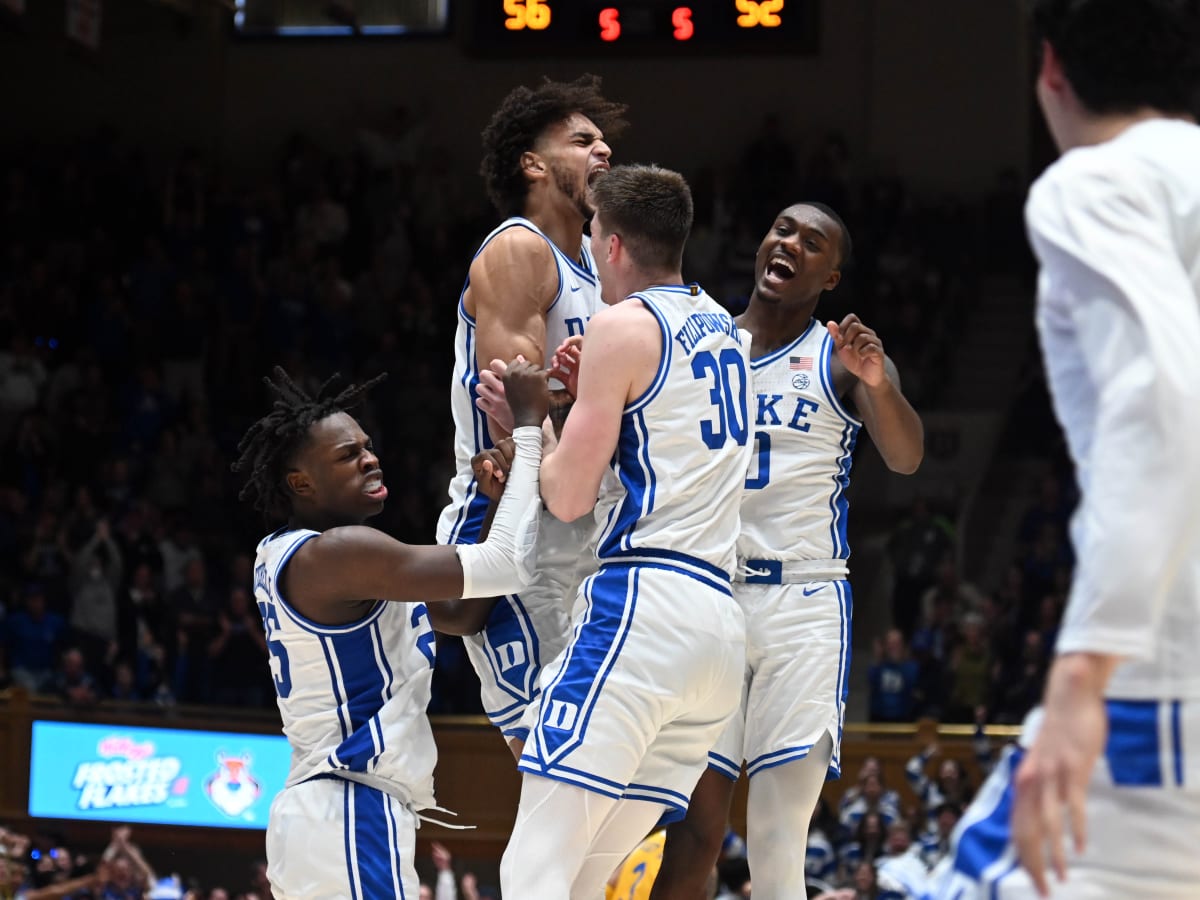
x=532 y=164
x=613 y=247
x=1051 y=72
x=300 y=484
x=832 y=281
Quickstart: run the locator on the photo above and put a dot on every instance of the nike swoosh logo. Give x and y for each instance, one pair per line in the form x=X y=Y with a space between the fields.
x=574 y=289
x=808 y=593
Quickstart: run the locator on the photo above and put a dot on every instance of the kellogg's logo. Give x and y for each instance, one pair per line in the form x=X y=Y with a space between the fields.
x=232 y=788
x=127 y=774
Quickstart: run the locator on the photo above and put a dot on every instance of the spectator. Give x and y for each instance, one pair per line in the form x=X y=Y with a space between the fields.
x=969 y=671
x=915 y=547
x=96 y=570
x=892 y=680
x=238 y=653
x=73 y=682
x=32 y=639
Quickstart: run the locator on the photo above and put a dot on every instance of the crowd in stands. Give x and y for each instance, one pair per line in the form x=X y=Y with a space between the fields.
x=141 y=301
x=42 y=867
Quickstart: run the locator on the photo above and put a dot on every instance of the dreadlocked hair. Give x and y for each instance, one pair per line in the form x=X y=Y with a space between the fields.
x=271 y=442
x=522 y=117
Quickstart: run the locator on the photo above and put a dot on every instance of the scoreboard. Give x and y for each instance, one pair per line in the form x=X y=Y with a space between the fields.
x=538 y=28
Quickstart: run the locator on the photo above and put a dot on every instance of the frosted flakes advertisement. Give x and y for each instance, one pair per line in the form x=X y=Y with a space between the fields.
x=166 y=776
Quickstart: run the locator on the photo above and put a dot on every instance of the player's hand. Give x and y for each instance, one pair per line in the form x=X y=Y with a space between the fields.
x=564 y=364
x=528 y=391
x=1052 y=780
x=859 y=349
x=491 y=468
x=441 y=856
x=489 y=396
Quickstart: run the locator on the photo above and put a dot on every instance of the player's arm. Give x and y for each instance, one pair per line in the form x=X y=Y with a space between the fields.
x=332 y=577
x=468 y=615
x=512 y=284
x=621 y=353
x=1132 y=309
x=887 y=415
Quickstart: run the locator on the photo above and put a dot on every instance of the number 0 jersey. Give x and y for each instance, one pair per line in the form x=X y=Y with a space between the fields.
x=578 y=299
x=795 y=506
x=684 y=445
x=352 y=697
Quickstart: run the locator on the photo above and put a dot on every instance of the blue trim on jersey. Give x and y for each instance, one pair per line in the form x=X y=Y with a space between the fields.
x=351 y=855
x=985 y=842
x=383 y=660
x=468 y=523
x=563 y=774
x=726 y=767
x=845 y=653
x=1177 y=740
x=638 y=555
x=397 y=851
x=759 y=362
x=611 y=602
x=509 y=622
x=637 y=476
x=1134 y=750
x=508 y=715
x=521 y=734
x=375 y=849
x=664 y=361
x=360 y=681
x=826 y=373
x=299 y=618
x=657 y=793
x=337 y=695
x=720 y=586
x=839 y=506
x=777 y=758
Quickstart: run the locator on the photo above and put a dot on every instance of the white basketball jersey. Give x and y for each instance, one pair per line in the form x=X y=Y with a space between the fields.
x=352 y=697
x=578 y=299
x=794 y=507
x=685 y=443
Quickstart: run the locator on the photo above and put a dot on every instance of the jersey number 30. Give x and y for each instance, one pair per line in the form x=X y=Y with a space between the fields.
x=728 y=397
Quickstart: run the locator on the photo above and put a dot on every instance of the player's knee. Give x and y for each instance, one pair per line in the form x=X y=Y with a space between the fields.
x=696 y=838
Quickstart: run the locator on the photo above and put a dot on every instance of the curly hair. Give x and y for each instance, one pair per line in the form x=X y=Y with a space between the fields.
x=270 y=444
x=522 y=118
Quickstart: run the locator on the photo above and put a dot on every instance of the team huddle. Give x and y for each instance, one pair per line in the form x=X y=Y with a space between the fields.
x=645 y=546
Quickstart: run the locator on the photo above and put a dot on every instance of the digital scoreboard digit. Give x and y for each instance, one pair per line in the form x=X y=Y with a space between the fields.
x=646 y=27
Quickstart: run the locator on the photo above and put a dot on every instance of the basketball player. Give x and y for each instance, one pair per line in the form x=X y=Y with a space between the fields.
x=352 y=672
x=814 y=386
x=531 y=285
x=653 y=668
x=1112 y=757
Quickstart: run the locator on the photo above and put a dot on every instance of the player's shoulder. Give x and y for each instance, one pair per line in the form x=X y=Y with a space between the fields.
x=624 y=325
x=518 y=243
x=518 y=235
x=1123 y=177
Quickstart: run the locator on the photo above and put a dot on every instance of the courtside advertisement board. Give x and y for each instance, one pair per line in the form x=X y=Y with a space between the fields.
x=164 y=776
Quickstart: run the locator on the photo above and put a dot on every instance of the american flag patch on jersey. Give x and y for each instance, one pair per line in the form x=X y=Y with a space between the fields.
x=800 y=363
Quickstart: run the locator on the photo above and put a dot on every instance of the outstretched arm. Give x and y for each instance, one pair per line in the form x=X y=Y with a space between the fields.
x=331 y=576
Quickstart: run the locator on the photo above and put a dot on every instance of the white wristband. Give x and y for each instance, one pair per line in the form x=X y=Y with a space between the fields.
x=503 y=564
